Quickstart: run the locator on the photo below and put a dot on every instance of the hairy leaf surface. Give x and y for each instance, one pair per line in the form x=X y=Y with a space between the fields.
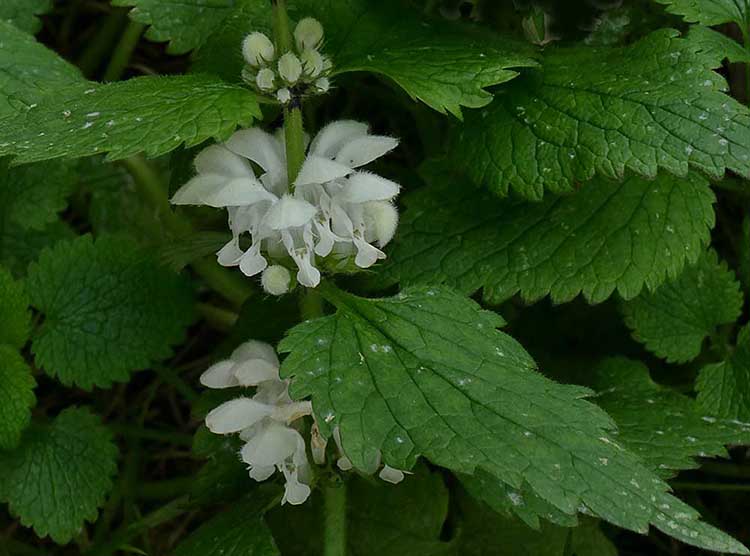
x=15 y=322
x=674 y=320
x=427 y=373
x=607 y=236
x=709 y=12
x=724 y=388
x=23 y=13
x=60 y=474
x=109 y=309
x=16 y=396
x=653 y=105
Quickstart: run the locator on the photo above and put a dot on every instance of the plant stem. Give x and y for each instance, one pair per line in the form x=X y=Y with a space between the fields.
x=150 y=187
x=91 y=58
x=334 y=534
x=166 y=436
x=168 y=376
x=281 y=29
x=295 y=140
x=123 y=51
x=217 y=317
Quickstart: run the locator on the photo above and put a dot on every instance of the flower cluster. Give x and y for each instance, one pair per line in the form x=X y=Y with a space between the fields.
x=263 y=421
x=299 y=71
x=332 y=212
x=266 y=422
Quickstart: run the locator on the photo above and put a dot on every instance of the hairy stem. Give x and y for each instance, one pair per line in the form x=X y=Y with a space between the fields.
x=334 y=534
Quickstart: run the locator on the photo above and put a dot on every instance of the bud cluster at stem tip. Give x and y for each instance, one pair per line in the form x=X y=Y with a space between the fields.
x=302 y=70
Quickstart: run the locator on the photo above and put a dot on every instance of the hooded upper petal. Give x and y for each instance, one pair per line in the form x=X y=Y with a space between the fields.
x=237 y=414
x=363 y=150
x=332 y=137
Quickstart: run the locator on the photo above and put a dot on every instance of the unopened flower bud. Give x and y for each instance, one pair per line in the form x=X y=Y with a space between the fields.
x=284 y=95
x=308 y=34
x=257 y=49
x=265 y=79
x=290 y=68
x=275 y=280
x=312 y=62
x=322 y=84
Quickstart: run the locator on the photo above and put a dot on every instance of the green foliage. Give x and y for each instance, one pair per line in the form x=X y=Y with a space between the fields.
x=724 y=388
x=709 y=12
x=186 y=24
x=716 y=47
x=648 y=106
x=674 y=320
x=238 y=531
x=23 y=13
x=427 y=373
x=60 y=474
x=109 y=310
x=16 y=397
x=666 y=429
x=14 y=308
x=610 y=235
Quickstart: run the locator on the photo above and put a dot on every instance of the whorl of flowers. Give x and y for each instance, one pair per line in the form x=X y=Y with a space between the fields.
x=333 y=212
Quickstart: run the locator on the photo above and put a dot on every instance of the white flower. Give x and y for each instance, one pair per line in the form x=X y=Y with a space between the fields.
x=257 y=49
x=333 y=209
x=387 y=473
x=308 y=34
x=265 y=79
x=263 y=421
x=290 y=68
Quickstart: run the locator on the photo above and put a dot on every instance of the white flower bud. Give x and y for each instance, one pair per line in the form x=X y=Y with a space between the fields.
x=308 y=34
x=257 y=49
x=275 y=280
x=284 y=95
x=290 y=68
x=265 y=79
x=322 y=84
x=312 y=62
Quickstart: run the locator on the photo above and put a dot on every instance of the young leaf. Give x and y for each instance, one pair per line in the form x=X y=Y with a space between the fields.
x=609 y=235
x=238 y=531
x=109 y=309
x=674 y=320
x=442 y=64
x=32 y=195
x=28 y=71
x=60 y=474
x=145 y=114
x=426 y=373
x=15 y=323
x=709 y=12
x=23 y=13
x=724 y=388
x=186 y=24
x=16 y=396
x=652 y=105
x=660 y=425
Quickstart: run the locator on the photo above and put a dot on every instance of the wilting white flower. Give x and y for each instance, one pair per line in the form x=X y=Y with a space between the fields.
x=334 y=209
x=263 y=420
x=257 y=49
x=308 y=34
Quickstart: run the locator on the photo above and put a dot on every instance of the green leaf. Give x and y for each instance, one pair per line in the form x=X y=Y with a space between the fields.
x=109 y=309
x=663 y=427
x=153 y=115
x=186 y=24
x=444 y=65
x=607 y=236
x=648 y=106
x=16 y=397
x=426 y=373
x=407 y=518
x=709 y=12
x=19 y=246
x=238 y=531
x=724 y=388
x=32 y=195
x=716 y=47
x=673 y=321
x=15 y=323
x=28 y=71
x=23 y=13
x=60 y=474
